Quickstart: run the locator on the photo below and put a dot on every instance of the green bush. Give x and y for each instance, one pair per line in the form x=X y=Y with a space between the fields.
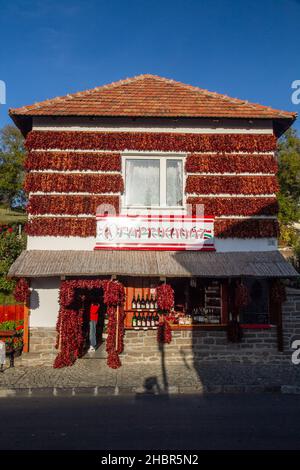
x=11 y=245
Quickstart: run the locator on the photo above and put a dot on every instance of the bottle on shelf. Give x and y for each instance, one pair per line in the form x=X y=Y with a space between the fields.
x=143 y=320
x=134 y=321
x=148 y=320
x=139 y=320
x=153 y=324
x=143 y=304
x=147 y=303
x=156 y=319
x=151 y=302
x=155 y=303
x=138 y=302
x=133 y=303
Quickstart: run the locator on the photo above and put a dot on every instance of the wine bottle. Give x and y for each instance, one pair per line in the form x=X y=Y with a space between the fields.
x=133 y=303
x=155 y=303
x=151 y=302
x=156 y=320
x=152 y=321
x=134 y=320
x=143 y=305
x=139 y=320
x=148 y=320
x=138 y=302
x=143 y=320
x=147 y=303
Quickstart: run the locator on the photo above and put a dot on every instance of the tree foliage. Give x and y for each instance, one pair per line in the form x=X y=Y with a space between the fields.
x=289 y=179
x=12 y=155
x=11 y=245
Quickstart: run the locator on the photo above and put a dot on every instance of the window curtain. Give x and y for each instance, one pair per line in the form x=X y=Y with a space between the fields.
x=174 y=183
x=142 y=182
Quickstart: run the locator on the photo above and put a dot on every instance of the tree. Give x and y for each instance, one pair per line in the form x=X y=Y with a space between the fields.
x=12 y=155
x=11 y=245
x=289 y=180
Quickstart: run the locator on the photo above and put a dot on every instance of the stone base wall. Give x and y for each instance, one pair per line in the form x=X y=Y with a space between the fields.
x=42 y=340
x=291 y=319
x=192 y=347
x=197 y=345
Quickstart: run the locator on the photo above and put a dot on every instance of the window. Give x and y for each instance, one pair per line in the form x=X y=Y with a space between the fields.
x=257 y=311
x=153 y=181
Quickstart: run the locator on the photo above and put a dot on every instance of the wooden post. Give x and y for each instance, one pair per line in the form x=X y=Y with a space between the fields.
x=117 y=329
x=26 y=329
x=279 y=329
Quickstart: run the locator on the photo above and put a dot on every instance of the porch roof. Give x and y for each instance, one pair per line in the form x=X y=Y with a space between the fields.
x=48 y=263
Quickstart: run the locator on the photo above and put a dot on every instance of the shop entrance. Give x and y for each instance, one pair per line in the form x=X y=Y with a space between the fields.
x=91 y=303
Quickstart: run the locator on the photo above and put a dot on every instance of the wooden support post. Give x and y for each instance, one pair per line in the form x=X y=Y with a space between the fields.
x=26 y=329
x=279 y=329
x=117 y=329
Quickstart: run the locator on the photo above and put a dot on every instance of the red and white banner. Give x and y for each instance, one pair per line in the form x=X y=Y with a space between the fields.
x=155 y=232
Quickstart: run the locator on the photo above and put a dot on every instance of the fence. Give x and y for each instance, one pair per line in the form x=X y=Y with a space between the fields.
x=11 y=312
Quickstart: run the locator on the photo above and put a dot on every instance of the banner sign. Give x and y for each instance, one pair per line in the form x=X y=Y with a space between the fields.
x=155 y=232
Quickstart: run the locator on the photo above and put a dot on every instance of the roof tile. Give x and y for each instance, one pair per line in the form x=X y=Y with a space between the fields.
x=150 y=95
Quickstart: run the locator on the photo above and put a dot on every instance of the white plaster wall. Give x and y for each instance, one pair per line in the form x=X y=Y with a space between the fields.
x=224 y=245
x=78 y=243
x=44 y=304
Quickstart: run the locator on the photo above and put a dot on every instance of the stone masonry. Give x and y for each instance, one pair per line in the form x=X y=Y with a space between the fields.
x=193 y=347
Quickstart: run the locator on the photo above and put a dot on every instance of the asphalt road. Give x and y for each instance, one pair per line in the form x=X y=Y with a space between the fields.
x=266 y=421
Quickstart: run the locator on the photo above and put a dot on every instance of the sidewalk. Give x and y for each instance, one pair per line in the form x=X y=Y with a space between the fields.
x=95 y=378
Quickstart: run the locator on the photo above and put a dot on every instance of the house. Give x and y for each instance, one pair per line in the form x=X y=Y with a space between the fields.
x=148 y=182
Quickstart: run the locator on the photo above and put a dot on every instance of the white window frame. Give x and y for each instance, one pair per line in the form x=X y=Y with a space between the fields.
x=162 y=157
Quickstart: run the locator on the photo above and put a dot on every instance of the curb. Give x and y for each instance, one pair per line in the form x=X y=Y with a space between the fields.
x=141 y=393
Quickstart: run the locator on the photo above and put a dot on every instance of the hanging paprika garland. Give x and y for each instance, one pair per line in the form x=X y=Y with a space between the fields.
x=278 y=294
x=114 y=297
x=242 y=297
x=163 y=141
x=165 y=302
x=70 y=339
x=22 y=291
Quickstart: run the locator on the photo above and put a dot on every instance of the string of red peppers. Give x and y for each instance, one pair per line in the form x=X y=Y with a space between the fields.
x=69 y=325
x=86 y=227
x=235 y=205
x=66 y=161
x=71 y=204
x=74 y=182
x=165 y=301
x=119 y=141
x=231 y=163
x=22 y=292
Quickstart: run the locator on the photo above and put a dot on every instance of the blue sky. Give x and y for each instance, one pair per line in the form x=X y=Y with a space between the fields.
x=247 y=49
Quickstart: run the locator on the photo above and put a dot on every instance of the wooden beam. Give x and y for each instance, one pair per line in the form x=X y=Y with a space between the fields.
x=26 y=329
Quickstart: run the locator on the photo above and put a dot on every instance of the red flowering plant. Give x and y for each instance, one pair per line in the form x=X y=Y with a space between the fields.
x=70 y=338
x=165 y=301
x=14 y=342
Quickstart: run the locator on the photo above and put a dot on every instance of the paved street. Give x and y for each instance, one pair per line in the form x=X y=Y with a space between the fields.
x=210 y=377
x=268 y=421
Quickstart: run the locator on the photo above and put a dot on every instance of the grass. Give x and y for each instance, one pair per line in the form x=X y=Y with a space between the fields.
x=8 y=216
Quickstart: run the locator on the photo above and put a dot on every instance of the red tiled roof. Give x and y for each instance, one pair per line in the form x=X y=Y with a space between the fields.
x=150 y=95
